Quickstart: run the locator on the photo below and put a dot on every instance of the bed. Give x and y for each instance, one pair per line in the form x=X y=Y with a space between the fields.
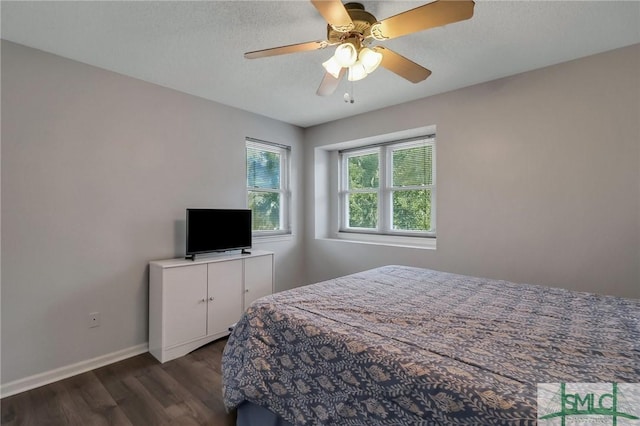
x=399 y=345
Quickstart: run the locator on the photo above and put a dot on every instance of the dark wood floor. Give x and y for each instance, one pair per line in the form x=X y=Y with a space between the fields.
x=136 y=391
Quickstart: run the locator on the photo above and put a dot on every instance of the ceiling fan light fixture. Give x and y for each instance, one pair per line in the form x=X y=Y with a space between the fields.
x=357 y=72
x=332 y=67
x=346 y=54
x=370 y=59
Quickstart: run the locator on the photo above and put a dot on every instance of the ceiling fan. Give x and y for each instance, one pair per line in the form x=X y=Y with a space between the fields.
x=353 y=29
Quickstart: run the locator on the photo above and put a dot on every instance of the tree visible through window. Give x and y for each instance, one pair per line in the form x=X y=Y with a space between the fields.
x=411 y=186
x=267 y=186
x=363 y=174
x=389 y=188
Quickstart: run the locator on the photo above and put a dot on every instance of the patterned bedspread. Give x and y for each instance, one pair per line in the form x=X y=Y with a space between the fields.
x=407 y=346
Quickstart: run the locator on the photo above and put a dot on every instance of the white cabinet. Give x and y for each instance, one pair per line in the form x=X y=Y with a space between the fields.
x=224 y=290
x=187 y=307
x=257 y=281
x=192 y=303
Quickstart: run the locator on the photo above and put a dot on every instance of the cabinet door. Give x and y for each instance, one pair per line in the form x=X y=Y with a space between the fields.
x=184 y=304
x=225 y=295
x=258 y=278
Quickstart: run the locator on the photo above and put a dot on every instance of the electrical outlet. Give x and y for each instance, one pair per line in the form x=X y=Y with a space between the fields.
x=94 y=319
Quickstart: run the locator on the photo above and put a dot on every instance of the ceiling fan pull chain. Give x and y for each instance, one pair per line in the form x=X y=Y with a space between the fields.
x=349 y=98
x=353 y=94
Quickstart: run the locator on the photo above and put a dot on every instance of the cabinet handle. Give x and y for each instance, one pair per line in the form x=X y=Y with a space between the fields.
x=203 y=300
x=246 y=291
x=211 y=298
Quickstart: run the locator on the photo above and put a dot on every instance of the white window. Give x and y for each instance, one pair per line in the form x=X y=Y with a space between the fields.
x=268 y=193
x=389 y=188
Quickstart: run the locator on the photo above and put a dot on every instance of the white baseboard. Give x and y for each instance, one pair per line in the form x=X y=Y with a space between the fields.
x=41 y=379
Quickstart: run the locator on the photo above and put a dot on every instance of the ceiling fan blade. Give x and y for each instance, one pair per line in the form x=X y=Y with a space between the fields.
x=282 y=50
x=329 y=83
x=334 y=12
x=402 y=66
x=435 y=14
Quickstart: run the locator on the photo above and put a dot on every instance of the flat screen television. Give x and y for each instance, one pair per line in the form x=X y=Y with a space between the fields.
x=217 y=230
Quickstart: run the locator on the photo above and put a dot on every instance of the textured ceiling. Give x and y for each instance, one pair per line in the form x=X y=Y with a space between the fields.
x=197 y=47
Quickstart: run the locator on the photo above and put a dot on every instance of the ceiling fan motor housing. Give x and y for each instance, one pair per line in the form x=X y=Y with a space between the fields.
x=362 y=21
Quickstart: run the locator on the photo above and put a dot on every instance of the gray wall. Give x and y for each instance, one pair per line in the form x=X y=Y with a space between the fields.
x=538 y=179
x=97 y=169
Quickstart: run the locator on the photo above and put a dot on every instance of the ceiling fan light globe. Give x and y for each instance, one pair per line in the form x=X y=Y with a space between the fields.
x=332 y=67
x=346 y=54
x=370 y=59
x=357 y=72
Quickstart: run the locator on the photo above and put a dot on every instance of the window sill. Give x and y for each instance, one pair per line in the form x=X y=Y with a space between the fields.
x=258 y=239
x=385 y=240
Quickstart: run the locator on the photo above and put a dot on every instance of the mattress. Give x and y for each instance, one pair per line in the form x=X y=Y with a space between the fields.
x=403 y=345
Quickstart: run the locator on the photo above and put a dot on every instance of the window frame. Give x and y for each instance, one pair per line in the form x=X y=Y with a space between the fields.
x=284 y=191
x=385 y=188
x=344 y=192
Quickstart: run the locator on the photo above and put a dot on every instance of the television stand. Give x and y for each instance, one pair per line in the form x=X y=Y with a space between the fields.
x=245 y=251
x=194 y=303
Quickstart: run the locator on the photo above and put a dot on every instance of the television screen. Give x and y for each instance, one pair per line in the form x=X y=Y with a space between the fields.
x=217 y=230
